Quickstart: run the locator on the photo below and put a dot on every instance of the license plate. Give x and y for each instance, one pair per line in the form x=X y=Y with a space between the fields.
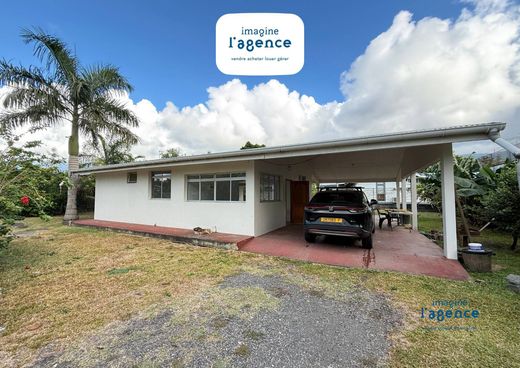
x=331 y=219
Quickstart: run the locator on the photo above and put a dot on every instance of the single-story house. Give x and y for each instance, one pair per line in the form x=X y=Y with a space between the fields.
x=254 y=191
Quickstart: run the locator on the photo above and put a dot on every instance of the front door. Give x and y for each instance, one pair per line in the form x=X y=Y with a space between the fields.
x=299 y=199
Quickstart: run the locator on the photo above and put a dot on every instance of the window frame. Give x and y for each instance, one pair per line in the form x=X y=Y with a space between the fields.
x=230 y=176
x=277 y=187
x=128 y=177
x=151 y=184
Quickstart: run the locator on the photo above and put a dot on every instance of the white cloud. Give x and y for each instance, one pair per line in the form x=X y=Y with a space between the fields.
x=233 y=114
x=434 y=73
x=418 y=74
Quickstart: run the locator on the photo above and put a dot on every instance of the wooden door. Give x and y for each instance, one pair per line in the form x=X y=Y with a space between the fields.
x=299 y=199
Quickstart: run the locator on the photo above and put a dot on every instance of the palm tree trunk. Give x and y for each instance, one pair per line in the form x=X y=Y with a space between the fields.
x=71 y=212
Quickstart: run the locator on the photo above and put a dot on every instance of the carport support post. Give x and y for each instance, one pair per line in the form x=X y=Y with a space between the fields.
x=403 y=194
x=415 y=223
x=397 y=195
x=449 y=219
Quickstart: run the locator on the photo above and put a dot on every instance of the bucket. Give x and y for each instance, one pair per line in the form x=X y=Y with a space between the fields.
x=477 y=260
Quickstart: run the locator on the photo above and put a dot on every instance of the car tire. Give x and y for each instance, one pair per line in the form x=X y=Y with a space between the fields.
x=310 y=238
x=366 y=243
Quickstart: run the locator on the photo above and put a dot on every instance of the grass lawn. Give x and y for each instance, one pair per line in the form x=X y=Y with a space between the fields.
x=59 y=283
x=505 y=261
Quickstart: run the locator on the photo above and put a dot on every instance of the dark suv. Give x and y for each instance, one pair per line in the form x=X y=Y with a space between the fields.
x=340 y=211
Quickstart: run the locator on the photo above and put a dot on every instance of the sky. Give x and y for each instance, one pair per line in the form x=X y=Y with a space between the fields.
x=370 y=67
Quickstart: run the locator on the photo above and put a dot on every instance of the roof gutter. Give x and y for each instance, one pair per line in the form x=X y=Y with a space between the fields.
x=494 y=135
x=468 y=132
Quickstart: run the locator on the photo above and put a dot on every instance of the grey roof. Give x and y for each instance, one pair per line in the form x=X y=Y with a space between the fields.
x=457 y=133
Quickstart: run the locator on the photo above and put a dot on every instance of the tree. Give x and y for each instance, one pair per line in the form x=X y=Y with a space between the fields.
x=171 y=153
x=250 y=145
x=429 y=186
x=109 y=150
x=503 y=203
x=472 y=181
x=63 y=90
x=23 y=178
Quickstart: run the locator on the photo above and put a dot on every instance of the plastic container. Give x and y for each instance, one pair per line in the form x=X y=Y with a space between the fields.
x=475 y=246
x=477 y=260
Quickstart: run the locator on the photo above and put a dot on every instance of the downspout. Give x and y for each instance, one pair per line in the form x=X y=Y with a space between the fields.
x=494 y=135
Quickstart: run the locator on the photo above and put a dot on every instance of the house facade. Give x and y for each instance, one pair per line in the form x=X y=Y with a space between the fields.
x=245 y=197
x=252 y=192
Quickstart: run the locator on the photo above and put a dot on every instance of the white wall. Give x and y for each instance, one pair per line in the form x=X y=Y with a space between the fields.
x=116 y=200
x=269 y=215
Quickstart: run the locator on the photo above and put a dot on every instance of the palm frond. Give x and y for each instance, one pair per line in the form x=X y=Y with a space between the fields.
x=53 y=52
x=110 y=110
x=38 y=116
x=11 y=75
x=20 y=98
x=106 y=115
x=111 y=149
x=98 y=126
x=104 y=79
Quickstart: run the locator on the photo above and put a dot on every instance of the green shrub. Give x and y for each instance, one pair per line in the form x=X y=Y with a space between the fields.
x=27 y=181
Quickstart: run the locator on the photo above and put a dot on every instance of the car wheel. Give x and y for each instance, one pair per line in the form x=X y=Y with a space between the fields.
x=366 y=243
x=310 y=238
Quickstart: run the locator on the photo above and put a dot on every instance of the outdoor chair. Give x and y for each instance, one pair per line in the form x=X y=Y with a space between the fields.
x=384 y=215
x=395 y=216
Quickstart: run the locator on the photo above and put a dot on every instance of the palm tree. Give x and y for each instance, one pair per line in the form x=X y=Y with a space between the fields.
x=109 y=150
x=63 y=90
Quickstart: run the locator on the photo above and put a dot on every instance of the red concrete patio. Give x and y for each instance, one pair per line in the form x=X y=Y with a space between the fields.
x=218 y=240
x=394 y=250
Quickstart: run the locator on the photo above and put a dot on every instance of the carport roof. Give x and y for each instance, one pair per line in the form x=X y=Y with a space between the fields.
x=393 y=141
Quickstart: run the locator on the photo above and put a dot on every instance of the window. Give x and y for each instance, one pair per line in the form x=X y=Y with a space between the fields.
x=161 y=184
x=207 y=191
x=216 y=187
x=131 y=177
x=269 y=188
x=193 y=190
x=340 y=197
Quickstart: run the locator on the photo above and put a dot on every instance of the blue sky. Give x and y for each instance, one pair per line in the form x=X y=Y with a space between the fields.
x=412 y=65
x=166 y=48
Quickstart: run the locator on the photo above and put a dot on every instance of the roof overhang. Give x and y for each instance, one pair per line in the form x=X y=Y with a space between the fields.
x=394 y=141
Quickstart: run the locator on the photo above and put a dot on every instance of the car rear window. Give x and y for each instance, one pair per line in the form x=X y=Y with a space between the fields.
x=339 y=197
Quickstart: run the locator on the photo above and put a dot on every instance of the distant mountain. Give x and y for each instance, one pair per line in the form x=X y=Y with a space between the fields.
x=475 y=155
x=497 y=157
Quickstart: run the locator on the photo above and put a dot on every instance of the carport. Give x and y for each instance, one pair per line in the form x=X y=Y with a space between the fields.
x=394 y=250
x=383 y=158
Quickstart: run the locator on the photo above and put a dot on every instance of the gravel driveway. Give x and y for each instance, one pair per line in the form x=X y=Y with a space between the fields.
x=248 y=321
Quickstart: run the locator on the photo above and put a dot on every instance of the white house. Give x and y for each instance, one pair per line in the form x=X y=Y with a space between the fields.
x=252 y=192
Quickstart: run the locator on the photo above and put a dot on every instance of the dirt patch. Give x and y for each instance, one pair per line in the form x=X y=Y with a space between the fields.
x=246 y=321
x=27 y=233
